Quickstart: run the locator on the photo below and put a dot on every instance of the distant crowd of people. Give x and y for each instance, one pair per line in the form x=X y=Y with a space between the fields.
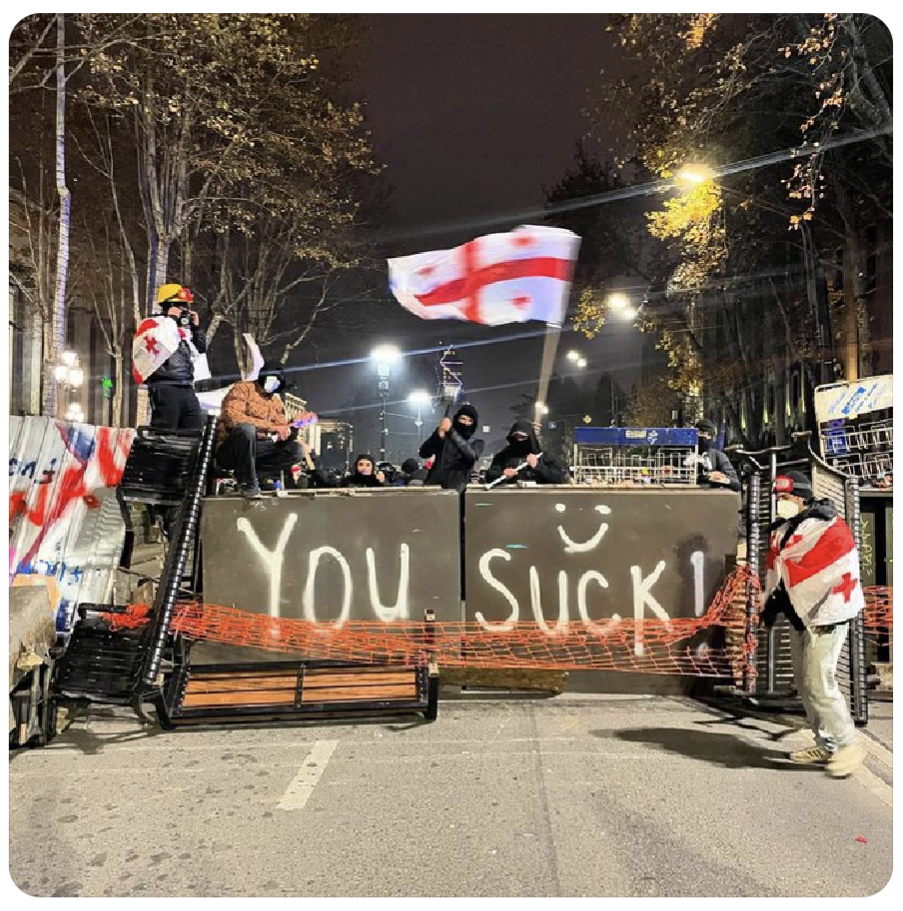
x=256 y=441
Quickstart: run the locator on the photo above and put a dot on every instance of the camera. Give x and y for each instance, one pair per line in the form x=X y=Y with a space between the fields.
x=183 y=318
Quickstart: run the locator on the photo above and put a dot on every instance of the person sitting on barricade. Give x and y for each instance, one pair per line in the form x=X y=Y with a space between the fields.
x=364 y=473
x=715 y=469
x=454 y=449
x=813 y=578
x=254 y=437
x=523 y=460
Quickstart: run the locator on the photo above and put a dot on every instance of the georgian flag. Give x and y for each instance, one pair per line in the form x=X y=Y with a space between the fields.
x=155 y=341
x=521 y=275
x=819 y=567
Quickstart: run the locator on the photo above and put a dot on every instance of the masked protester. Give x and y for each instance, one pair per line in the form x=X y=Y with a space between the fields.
x=813 y=578
x=715 y=469
x=365 y=473
x=174 y=405
x=455 y=450
x=523 y=460
x=253 y=434
x=410 y=474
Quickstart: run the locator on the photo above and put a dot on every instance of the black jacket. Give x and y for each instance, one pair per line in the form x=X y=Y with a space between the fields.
x=178 y=368
x=548 y=469
x=455 y=457
x=718 y=461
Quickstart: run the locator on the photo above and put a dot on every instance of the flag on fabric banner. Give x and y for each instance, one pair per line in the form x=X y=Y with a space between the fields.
x=520 y=275
x=156 y=339
x=819 y=566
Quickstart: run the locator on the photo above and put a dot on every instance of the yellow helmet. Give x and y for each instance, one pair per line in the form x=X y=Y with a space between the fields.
x=174 y=292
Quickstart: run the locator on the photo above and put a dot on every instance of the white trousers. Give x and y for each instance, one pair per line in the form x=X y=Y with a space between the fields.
x=815 y=653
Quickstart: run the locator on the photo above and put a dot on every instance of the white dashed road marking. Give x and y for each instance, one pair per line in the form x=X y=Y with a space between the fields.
x=298 y=792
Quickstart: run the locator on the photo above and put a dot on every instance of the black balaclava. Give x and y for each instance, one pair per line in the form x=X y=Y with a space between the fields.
x=521 y=448
x=706 y=426
x=470 y=411
x=271 y=368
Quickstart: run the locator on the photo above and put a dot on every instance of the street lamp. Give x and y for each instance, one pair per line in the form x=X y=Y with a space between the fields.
x=618 y=301
x=573 y=356
x=694 y=174
x=384 y=356
x=69 y=375
x=581 y=362
x=419 y=398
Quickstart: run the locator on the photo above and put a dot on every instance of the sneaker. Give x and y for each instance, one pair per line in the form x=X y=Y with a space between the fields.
x=811 y=756
x=846 y=760
x=250 y=491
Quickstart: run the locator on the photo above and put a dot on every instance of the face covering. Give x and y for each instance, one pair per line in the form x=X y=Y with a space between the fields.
x=466 y=430
x=704 y=444
x=787 y=509
x=271 y=384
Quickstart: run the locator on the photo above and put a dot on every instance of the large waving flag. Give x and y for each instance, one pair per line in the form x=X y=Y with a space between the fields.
x=521 y=275
x=156 y=339
x=819 y=567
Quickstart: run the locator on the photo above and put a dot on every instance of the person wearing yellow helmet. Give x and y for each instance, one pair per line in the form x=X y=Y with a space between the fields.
x=174 y=405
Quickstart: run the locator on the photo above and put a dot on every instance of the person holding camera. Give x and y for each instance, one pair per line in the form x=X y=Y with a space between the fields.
x=174 y=405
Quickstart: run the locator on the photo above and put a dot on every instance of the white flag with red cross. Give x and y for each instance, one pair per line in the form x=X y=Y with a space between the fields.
x=819 y=566
x=521 y=275
x=156 y=339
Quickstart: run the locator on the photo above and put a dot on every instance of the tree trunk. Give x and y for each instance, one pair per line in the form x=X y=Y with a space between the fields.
x=849 y=320
x=58 y=333
x=117 y=417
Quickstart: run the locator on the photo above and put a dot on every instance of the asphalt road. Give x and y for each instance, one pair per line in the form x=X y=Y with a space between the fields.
x=574 y=795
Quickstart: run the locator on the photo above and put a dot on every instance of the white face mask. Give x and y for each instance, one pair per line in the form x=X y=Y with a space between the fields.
x=271 y=384
x=787 y=509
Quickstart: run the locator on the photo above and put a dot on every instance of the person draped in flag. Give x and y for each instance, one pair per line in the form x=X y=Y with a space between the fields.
x=813 y=578
x=163 y=352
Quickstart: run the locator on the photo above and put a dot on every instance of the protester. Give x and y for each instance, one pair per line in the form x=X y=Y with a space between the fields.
x=813 y=578
x=364 y=473
x=454 y=449
x=253 y=434
x=174 y=404
x=714 y=467
x=410 y=474
x=523 y=460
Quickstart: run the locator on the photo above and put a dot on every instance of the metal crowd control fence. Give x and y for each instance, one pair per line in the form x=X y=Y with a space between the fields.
x=772 y=677
x=652 y=455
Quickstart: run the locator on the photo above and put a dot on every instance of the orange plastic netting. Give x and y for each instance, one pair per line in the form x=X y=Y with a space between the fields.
x=714 y=644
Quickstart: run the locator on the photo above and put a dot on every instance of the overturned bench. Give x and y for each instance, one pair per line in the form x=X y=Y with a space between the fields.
x=302 y=689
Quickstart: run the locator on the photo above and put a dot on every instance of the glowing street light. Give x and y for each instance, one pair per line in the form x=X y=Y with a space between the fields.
x=573 y=356
x=694 y=174
x=629 y=312
x=581 y=362
x=618 y=301
x=384 y=356
x=419 y=398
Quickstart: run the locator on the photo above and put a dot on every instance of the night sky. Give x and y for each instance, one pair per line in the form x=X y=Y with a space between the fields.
x=472 y=115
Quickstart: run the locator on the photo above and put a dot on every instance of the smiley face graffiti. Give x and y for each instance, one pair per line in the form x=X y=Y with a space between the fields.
x=581 y=547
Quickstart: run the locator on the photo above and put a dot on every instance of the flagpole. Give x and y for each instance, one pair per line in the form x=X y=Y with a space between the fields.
x=549 y=350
